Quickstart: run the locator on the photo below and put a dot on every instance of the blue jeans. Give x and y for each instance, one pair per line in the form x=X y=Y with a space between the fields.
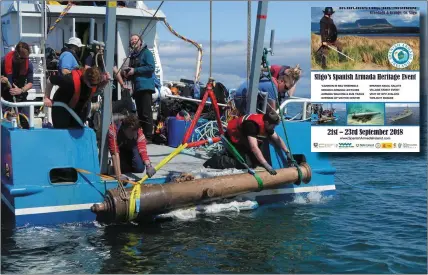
x=130 y=161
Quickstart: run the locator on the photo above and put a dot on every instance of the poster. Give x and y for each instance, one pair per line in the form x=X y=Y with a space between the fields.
x=365 y=81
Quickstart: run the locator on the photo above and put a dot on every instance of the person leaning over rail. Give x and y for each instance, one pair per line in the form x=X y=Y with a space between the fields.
x=290 y=75
x=125 y=103
x=75 y=89
x=128 y=147
x=265 y=85
x=16 y=74
x=140 y=71
x=247 y=133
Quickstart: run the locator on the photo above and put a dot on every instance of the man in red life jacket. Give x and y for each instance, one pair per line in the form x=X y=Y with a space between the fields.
x=16 y=73
x=128 y=147
x=247 y=133
x=75 y=89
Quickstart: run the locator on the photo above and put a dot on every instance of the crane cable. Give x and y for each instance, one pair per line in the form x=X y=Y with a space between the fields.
x=211 y=36
x=248 y=41
x=199 y=61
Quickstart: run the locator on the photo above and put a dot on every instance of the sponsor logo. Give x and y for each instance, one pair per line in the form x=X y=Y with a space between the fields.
x=400 y=55
x=363 y=145
x=324 y=145
x=409 y=145
x=377 y=145
x=346 y=145
x=386 y=145
x=399 y=145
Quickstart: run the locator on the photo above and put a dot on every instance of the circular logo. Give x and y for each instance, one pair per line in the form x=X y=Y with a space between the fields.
x=377 y=145
x=400 y=55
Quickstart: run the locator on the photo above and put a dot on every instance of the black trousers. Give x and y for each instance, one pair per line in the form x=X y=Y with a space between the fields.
x=227 y=160
x=143 y=100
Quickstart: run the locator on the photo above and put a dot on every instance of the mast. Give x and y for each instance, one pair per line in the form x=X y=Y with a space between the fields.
x=257 y=57
x=110 y=30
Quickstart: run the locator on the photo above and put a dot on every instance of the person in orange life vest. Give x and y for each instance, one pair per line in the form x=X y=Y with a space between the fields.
x=75 y=89
x=247 y=133
x=128 y=147
x=16 y=73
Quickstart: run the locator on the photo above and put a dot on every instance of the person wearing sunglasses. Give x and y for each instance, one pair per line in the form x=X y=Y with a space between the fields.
x=76 y=90
x=16 y=74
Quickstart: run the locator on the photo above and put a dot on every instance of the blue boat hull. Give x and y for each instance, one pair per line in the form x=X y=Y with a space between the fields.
x=32 y=197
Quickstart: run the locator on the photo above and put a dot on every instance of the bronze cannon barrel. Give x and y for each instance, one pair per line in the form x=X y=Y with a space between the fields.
x=160 y=198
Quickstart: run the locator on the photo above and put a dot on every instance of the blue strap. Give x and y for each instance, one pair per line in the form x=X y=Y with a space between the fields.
x=137 y=205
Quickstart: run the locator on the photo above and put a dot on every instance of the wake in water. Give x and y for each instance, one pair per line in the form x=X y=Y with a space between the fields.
x=311 y=198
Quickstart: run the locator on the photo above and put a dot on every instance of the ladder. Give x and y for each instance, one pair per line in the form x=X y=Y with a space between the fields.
x=37 y=59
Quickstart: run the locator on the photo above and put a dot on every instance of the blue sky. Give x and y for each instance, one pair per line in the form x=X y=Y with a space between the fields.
x=291 y=21
x=349 y=16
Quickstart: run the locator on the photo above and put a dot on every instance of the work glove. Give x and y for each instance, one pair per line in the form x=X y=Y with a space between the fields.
x=150 y=171
x=269 y=168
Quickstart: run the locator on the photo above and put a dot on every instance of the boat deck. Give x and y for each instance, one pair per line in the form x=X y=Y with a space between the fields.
x=187 y=161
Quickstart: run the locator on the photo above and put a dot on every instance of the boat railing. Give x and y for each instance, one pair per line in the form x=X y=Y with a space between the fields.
x=32 y=104
x=305 y=102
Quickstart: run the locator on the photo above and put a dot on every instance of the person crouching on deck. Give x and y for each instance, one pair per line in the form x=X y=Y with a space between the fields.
x=245 y=133
x=76 y=90
x=128 y=147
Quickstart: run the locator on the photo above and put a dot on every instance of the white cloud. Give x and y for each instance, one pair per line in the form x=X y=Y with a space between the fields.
x=229 y=60
x=402 y=105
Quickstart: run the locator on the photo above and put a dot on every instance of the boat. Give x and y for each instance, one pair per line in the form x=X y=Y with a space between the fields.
x=327 y=116
x=401 y=117
x=42 y=182
x=365 y=116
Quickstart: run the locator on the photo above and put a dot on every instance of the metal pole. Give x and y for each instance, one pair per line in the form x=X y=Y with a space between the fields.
x=110 y=30
x=257 y=56
x=211 y=36
x=43 y=45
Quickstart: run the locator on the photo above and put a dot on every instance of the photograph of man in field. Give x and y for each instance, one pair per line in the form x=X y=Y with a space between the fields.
x=360 y=38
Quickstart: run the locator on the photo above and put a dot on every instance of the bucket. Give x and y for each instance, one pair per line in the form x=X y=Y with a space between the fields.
x=176 y=131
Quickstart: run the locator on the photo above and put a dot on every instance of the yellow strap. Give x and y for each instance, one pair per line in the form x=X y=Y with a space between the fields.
x=112 y=4
x=135 y=195
x=166 y=160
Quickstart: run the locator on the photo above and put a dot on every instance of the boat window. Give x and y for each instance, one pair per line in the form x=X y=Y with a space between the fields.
x=63 y=175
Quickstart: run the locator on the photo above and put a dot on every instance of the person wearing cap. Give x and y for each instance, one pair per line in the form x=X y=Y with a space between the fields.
x=69 y=60
x=328 y=32
x=247 y=134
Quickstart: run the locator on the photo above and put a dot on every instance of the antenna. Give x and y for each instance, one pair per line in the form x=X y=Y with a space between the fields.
x=272 y=38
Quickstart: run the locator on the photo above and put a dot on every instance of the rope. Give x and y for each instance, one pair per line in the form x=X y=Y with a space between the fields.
x=61 y=16
x=205 y=132
x=235 y=152
x=294 y=162
x=139 y=38
x=198 y=73
x=134 y=200
x=248 y=41
x=211 y=36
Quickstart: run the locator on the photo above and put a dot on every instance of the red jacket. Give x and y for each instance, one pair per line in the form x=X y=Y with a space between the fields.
x=234 y=126
x=114 y=147
x=77 y=75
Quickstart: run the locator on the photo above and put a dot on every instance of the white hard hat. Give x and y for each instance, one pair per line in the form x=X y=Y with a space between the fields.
x=75 y=41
